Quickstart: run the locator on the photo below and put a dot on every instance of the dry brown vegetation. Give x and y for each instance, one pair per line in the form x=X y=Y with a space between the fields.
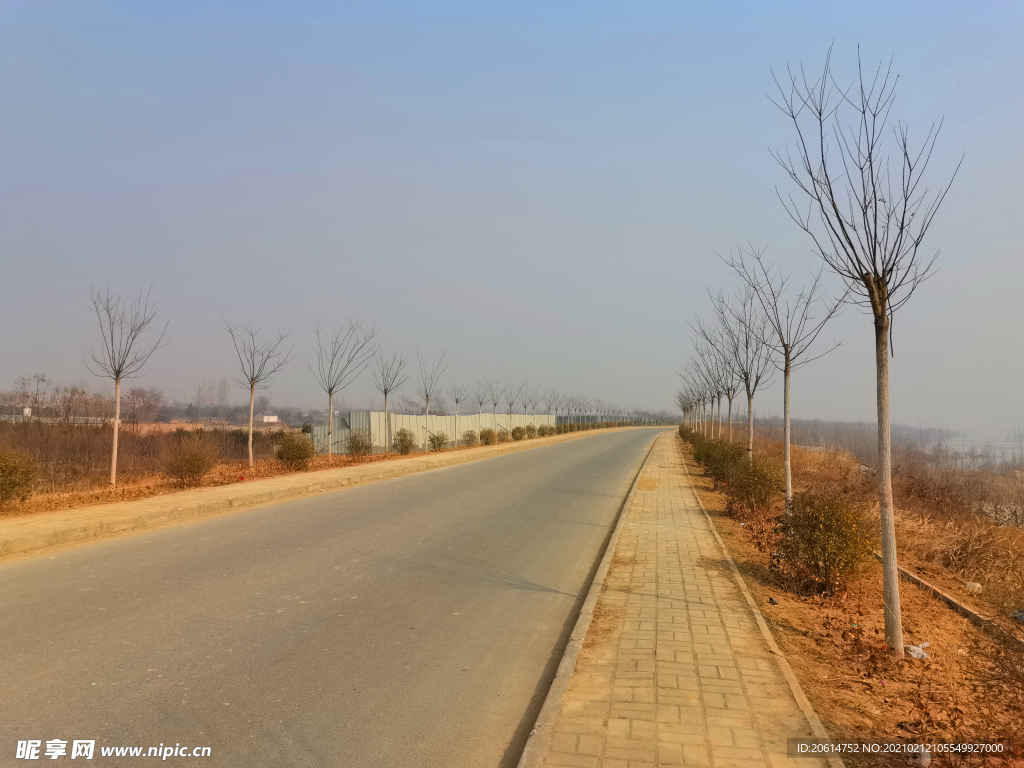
x=972 y=686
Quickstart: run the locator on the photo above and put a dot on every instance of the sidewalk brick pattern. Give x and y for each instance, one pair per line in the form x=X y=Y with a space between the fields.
x=674 y=671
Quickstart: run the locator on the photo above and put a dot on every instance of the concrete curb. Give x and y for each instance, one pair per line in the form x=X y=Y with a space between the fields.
x=31 y=533
x=787 y=670
x=540 y=736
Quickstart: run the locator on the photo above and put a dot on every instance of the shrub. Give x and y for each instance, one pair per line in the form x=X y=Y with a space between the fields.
x=758 y=485
x=543 y=430
x=518 y=433
x=469 y=437
x=307 y=428
x=296 y=450
x=826 y=537
x=17 y=472
x=191 y=459
x=504 y=436
x=403 y=442
x=531 y=431
x=488 y=437
x=360 y=443
x=438 y=441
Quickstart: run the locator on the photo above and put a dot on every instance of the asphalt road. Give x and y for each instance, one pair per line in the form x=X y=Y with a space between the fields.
x=411 y=622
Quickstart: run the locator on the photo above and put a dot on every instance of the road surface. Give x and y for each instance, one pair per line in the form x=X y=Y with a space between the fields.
x=411 y=622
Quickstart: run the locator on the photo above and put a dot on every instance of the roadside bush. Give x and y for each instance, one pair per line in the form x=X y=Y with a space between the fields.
x=722 y=461
x=438 y=441
x=825 y=538
x=403 y=442
x=518 y=433
x=296 y=450
x=757 y=485
x=190 y=460
x=504 y=436
x=360 y=443
x=531 y=431
x=17 y=473
x=469 y=438
x=488 y=437
x=543 y=430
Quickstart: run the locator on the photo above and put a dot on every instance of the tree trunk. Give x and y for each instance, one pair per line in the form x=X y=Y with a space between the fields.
x=730 y=418
x=117 y=423
x=252 y=401
x=750 y=426
x=387 y=426
x=426 y=418
x=890 y=570
x=719 y=417
x=456 y=425
x=330 y=423
x=787 y=461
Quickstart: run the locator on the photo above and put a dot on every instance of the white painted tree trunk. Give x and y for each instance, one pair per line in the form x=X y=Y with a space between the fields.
x=730 y=418
x=890 y=569
x=787 y=461
x=330 y=423
x=117 y=424
x=252 y=401
x=750 y=426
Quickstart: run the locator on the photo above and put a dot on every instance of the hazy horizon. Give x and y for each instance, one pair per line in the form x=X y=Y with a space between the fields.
x=542 y=191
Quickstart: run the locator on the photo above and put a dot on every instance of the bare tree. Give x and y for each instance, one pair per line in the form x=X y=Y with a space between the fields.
x=481 y=391
x=123 y=354
x=494 y=393
x=745 y=327
x=258 y=361
x=199 y=393
x=551 y=402
x=222 y=397
x=513 y=395
x=341 y=355
x=388 y=377
x=795 y=321
x=428 y=384
x=458 y=394
x=868 y=213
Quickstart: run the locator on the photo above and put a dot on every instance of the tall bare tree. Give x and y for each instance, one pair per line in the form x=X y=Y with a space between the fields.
x=867 y=216
x=481 y=391
x=745 y=328
x=388 y=377
x=342 y=354
x=513 y=395
x=458 y=394
x=428 y=384
x=123 y=352
x=794 y=321
x=258 y=361
x=494 y=394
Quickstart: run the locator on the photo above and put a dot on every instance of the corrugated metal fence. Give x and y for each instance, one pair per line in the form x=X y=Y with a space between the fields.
x=421 y=426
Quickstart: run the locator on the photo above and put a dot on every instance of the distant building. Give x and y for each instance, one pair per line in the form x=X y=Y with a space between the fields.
x=266 y=417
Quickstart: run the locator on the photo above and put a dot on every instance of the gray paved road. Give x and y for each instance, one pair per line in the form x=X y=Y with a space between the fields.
x=413 y=622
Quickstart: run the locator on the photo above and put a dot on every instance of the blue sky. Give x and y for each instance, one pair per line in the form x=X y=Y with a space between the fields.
x=540 y=190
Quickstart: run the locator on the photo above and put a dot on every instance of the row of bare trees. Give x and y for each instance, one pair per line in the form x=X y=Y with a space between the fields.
x=130 y=336
x=861 y=199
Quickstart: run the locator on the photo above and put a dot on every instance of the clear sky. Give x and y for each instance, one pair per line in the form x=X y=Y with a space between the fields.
x=540 y=188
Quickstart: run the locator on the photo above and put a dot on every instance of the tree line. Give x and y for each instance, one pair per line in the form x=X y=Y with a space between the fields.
x=858 y=194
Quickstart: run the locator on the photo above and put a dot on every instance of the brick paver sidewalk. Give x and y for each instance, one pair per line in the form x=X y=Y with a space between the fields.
x=675 y=669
